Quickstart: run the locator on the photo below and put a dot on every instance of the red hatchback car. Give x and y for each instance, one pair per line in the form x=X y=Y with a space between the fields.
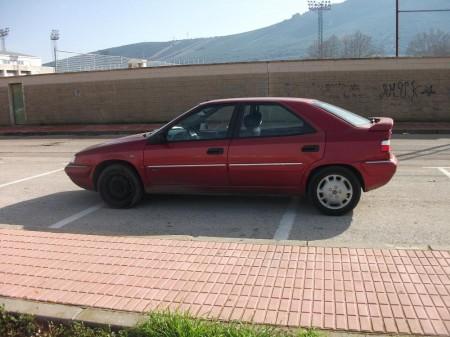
x=262 y=145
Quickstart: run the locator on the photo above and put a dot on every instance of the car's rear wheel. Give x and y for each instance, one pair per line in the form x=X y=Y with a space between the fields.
x=120 y=186
x=335 y=190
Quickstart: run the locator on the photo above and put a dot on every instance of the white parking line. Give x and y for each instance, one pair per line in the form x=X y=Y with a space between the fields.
x=75 y=217
x=443 y=169
x=29 y=178
x=287 y=221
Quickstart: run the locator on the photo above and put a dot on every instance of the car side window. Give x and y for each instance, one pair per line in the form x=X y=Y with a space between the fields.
x=271 y=120
x=211 y=122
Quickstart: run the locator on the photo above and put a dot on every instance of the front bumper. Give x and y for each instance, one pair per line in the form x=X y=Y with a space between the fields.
x=378 y=173
x=80 y=175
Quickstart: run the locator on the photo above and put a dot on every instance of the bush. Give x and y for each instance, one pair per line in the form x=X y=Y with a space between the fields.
x=16 y=325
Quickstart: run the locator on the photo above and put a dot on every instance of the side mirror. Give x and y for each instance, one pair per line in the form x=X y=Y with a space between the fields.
x=158 y=138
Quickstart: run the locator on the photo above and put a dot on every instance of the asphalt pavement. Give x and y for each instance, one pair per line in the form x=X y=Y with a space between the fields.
x=412 y=211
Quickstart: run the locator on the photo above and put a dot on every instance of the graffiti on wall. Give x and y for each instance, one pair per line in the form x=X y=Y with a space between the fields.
x=343 y=90
x=409 y=90
x=332 y=90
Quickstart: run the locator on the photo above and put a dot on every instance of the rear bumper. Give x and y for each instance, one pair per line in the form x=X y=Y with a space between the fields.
x=80 y=175
x=378 y=173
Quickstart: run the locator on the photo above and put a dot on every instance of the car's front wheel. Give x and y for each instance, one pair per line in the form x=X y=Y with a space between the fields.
x=119 y=186
x=335 y=190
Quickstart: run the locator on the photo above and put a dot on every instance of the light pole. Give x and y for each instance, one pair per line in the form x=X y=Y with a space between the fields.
x=319 y=6
x=3 y=34
x=54 y=37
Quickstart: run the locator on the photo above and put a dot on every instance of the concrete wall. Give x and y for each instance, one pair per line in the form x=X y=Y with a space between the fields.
x=405 y=89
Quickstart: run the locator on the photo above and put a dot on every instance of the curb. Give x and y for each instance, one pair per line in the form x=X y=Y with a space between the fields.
x=113 y=318
x=72 y=133
x=131 y=132
x=422 y=132
x=122 y=129
x=68 y=313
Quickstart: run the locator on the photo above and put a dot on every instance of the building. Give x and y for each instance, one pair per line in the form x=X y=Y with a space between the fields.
x=137 y=63
x=17 y=64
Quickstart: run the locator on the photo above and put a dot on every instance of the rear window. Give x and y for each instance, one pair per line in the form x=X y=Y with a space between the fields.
x=346 y=115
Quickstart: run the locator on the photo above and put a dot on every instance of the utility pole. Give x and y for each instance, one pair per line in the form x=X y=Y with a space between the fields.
x=3 y=34
x=319 y=6
x=397 y=14
x=54 y=37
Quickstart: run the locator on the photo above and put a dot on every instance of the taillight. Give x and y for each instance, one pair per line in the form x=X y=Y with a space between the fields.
x=386 y=146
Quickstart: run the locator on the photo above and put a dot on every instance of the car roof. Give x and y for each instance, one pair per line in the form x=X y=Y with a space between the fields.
x=260 y=99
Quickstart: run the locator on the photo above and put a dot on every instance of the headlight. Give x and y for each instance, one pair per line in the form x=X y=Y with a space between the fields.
x=73 y=160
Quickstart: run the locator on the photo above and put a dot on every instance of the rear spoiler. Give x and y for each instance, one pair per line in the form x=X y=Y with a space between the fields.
x=381 y=124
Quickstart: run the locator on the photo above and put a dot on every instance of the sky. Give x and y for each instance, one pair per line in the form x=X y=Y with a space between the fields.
x=89 y=25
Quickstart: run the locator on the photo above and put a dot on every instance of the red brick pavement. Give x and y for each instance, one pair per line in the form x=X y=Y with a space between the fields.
x=364 y=290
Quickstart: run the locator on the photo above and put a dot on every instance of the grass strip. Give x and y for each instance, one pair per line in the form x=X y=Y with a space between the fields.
x=157 y=324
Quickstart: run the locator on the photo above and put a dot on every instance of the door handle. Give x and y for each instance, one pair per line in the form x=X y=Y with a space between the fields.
x=215 y=150
x=311 y=148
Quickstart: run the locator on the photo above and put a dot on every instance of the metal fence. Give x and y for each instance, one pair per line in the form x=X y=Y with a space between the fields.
x=68 y=61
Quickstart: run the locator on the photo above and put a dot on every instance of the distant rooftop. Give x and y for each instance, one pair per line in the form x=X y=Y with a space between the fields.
x=13 y=53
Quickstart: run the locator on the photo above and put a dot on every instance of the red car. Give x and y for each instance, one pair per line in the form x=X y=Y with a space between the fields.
x=262 y=145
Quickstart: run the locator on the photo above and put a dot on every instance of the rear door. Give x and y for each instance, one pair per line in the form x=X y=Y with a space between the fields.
x=272 y=148
x=195 y=152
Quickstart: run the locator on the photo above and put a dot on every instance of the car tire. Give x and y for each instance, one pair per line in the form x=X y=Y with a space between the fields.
x=120 y=186
x=335 y=190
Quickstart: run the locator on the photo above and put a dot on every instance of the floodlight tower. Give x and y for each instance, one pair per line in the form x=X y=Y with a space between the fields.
x=54 y=37
x=3 y=34
x=319 y=6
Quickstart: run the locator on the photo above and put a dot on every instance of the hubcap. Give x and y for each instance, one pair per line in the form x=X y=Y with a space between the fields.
x=334 y=191
x=119 y=187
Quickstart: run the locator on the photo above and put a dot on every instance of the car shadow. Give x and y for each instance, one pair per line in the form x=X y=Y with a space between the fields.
x=218 y=216
x=313 y=226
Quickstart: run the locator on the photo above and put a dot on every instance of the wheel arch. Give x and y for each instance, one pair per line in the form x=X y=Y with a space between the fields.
x=101 y=166
x=317 y=169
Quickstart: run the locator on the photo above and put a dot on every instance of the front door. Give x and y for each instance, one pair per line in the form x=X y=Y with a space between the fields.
x=272 y=148
x=195 y=152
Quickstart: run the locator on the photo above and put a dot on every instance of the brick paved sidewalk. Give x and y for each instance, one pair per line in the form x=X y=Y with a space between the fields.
x=363 y=290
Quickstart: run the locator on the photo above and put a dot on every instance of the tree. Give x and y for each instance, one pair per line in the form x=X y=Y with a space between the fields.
x=330 y=48
x=433 y=43
x=356 y=45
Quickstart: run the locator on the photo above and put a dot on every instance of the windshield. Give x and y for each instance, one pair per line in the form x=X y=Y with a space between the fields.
x=346 y=115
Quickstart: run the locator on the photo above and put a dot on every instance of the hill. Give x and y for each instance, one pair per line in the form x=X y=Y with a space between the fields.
x=289 y=39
